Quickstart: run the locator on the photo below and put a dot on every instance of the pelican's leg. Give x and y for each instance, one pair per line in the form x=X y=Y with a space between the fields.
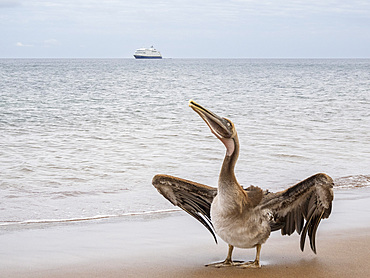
x=256 y=262
x=227 y=262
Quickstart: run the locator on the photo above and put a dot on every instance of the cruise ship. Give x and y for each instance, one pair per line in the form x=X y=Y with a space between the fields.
x=147 y=53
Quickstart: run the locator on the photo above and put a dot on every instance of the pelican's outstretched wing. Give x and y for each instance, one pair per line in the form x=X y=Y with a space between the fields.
x=192 y=197
x=309 y=200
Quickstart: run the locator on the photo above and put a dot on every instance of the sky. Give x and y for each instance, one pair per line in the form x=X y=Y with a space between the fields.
x=185 y=29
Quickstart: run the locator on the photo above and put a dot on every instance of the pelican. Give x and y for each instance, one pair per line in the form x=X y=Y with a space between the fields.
x=245 y=218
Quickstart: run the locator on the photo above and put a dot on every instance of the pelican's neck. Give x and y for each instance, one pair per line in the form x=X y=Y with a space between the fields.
x=227 y=177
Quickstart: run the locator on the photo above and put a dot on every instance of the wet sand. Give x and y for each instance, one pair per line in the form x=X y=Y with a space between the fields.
x=175 y=245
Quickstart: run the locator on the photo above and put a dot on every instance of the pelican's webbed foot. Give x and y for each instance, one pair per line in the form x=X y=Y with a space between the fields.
x=225 y=263
x=254 y=264
x=228 y=261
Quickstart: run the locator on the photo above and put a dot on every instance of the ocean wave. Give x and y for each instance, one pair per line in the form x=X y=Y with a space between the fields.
x=356 y=181
x=82 y=219
x=347 y=182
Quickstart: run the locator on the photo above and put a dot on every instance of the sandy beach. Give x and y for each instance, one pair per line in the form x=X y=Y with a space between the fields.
x=175 y=245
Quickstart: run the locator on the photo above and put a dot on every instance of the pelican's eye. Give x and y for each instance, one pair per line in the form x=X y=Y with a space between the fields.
x=228 y=124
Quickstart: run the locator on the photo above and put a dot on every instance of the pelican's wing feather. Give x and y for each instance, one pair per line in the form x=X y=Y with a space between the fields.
x=301 y=207
x=192 y=197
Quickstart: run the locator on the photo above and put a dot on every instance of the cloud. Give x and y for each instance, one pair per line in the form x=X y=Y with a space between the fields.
x=19 y=44
x=45 y=43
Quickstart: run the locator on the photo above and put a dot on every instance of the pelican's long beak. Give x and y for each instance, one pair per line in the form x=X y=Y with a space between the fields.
x=222 y=128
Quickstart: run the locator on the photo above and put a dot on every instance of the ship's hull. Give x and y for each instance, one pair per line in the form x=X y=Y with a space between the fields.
x=147 y=57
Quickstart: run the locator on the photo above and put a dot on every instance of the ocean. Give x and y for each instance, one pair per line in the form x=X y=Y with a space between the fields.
x=81 y=139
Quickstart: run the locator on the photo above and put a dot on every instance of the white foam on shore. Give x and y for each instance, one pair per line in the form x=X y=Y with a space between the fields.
x=97 y=217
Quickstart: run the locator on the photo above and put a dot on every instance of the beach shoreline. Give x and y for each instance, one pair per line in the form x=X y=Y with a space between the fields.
x=175 y=245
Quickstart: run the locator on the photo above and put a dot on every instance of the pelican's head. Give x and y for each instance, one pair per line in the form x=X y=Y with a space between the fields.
x=222 y=128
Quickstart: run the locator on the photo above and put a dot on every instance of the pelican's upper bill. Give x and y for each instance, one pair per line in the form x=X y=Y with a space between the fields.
x=221 y=127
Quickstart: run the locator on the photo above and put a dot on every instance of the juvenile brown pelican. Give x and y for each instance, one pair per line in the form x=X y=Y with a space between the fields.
x=245 y=218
